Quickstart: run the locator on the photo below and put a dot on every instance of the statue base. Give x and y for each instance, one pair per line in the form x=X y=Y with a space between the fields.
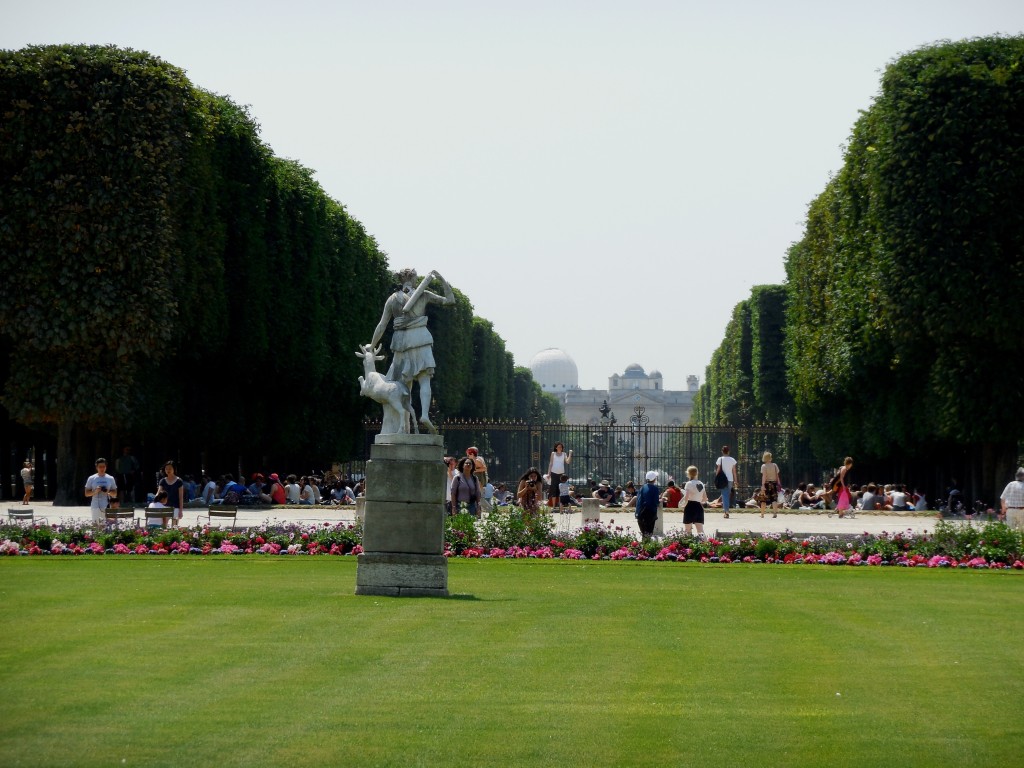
x=395 y=574
x=403 y=524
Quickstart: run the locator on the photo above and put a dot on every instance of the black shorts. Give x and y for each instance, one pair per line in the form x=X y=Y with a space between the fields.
x=693 y=512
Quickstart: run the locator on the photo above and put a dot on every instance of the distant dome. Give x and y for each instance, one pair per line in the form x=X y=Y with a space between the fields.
x=554 y=370
x=655 y=374
x=634 y=371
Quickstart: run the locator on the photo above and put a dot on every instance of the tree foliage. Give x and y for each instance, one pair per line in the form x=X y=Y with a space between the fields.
x=175 y=280
x=903 y=319
x=745 y=383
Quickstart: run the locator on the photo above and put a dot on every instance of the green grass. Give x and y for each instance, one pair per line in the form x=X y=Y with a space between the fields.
x=258 y=661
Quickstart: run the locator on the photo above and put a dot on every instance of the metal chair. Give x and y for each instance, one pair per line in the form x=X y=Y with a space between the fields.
x=26 y=515
x=164 y=513
x=220 y=512
x=114 y=516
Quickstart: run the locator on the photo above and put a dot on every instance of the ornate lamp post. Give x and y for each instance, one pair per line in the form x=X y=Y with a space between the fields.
x=639 y=422
x=608 y=421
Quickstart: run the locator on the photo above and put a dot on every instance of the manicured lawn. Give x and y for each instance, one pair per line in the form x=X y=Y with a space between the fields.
x=257 y=661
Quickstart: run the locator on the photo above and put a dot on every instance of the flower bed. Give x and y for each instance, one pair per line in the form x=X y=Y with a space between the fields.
x=515 y=534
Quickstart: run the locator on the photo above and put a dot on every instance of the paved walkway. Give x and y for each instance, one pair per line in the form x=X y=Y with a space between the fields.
x=743 y=521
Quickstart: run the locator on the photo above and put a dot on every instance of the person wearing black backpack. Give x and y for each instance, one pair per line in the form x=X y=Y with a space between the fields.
x=725 y=477
x=695 y=496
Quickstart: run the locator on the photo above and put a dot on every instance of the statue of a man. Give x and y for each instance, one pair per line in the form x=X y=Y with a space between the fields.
x=412 y=346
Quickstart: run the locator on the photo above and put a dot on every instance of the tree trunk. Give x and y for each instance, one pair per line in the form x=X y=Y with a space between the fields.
x=66 y=494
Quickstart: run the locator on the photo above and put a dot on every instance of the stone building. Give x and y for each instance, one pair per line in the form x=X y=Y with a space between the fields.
x=557 y=374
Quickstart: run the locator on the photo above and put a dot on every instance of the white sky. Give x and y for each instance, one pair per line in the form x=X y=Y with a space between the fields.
x=607 y=178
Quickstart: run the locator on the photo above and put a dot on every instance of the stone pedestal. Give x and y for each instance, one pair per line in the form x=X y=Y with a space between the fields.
x=403 y=524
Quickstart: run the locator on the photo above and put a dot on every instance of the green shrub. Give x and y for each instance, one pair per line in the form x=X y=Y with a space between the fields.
x=460 y=532
x=515 y=527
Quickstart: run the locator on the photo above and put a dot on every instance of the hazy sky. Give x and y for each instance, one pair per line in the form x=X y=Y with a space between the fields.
x=608 y=178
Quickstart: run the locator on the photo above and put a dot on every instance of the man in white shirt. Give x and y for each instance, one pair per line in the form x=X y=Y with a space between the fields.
x=728 y=465
x=101 y=488
x=1012 y=501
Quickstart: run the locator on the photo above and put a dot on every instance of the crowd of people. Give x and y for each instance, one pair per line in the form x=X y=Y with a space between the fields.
x=174 y=492
x=469 y=488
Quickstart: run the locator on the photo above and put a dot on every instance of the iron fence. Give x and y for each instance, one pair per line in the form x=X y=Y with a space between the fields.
x=620 y=452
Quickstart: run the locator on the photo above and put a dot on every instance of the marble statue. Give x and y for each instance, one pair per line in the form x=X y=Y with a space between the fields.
x=412 y=349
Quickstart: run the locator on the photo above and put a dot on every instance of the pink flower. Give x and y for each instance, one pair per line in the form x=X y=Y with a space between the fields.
x=572 y=554
x=496 y=552
x=8 y=547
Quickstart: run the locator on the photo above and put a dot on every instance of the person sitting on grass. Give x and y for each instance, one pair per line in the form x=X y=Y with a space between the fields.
x=629 y=495
x=672 y=496
x=872 y=499
x=604 y=493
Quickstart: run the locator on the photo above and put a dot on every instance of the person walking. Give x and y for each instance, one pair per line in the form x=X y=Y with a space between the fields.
x=840 y=486
x=558 y=465
x=771 y=483
x=695 y=496
x=101 y=488
x=1011 y=501
x=647 y=502
x=726 y=465
x=28 y=480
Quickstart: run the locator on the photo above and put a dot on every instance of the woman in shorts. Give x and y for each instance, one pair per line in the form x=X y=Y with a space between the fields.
x=695 y=496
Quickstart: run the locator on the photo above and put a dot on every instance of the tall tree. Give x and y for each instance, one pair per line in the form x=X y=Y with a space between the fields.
x=903 y=316
x=91 y=141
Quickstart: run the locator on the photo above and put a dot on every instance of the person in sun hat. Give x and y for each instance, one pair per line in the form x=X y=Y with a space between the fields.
x=603 y=492
x=277 y=492
x=647 y=502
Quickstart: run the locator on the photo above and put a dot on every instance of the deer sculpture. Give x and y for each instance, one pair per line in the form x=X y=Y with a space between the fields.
x=393 y=395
